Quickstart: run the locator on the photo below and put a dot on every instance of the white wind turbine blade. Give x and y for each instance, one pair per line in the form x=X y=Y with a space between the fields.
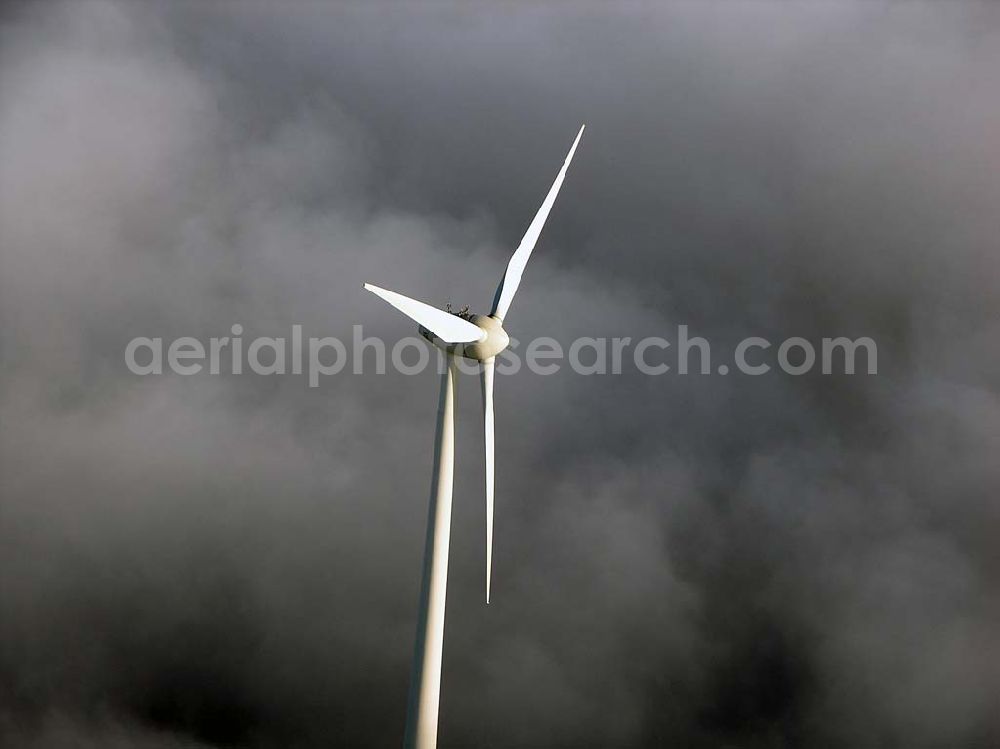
x=486 y=379
x=446 y=326
x=518 y=261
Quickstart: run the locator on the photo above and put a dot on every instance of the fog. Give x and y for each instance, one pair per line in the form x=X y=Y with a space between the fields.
x=694 y=561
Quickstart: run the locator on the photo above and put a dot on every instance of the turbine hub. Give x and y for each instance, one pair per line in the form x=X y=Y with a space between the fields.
x=496 y=339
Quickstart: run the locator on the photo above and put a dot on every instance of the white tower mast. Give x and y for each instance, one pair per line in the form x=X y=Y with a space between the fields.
x=425 y=679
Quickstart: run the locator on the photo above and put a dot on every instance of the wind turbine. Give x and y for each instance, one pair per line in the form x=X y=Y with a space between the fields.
x=479 y=338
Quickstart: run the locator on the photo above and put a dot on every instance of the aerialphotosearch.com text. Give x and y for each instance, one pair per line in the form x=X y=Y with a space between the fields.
x=318 y=357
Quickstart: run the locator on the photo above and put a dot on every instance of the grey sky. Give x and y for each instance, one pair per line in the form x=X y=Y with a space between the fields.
x=679 y=561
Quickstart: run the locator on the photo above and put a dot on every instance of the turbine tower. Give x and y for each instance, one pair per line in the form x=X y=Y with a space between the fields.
x=479 y=338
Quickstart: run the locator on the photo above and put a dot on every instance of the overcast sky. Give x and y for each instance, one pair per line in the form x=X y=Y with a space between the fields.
x=690 y=561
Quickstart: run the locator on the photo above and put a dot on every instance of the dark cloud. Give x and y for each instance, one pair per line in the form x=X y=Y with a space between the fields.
x=691 y=561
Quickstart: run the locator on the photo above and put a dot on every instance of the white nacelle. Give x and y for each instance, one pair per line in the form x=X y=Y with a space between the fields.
x=495 y=341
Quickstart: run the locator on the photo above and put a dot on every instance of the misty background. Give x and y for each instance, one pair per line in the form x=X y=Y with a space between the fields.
x=697 y=561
